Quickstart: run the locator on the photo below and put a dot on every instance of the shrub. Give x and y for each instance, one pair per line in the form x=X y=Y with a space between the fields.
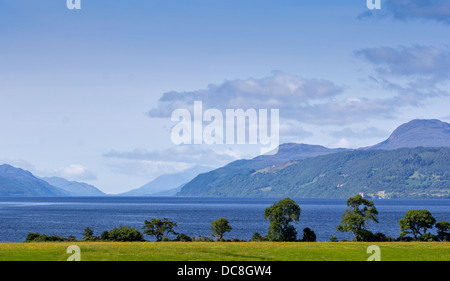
x=125 y=234
x=184 y=238
x=258 y=238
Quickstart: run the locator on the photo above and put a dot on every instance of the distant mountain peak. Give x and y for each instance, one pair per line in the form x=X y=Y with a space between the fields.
x=74 y=188
x=417 y=133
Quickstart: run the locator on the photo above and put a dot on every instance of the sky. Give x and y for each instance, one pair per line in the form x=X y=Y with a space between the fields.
x=88 y=94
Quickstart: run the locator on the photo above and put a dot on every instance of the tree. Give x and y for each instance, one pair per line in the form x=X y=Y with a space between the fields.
x=357 y=216
x=159 y=228
x=443 y=230
x=104 y=235
x=219 y=227
x=88 y=232
x=308 y=235
x=125 y=234
x=280 y=215
x=416 y=222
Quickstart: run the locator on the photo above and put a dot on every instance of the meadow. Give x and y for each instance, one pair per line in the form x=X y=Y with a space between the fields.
x=225 y=251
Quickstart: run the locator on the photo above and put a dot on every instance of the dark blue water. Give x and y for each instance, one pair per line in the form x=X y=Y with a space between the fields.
x=70 y=215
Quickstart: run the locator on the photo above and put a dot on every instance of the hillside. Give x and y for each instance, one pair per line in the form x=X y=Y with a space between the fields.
x=74 y=188
x=18 y=182
x=401 y=173
x=287 y=153
x=303 y=170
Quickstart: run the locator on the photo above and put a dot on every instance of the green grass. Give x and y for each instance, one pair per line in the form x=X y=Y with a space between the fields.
x=227 y=251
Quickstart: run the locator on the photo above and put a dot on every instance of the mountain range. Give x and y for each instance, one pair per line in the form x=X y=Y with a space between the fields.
x=168 y=184
x=412 y=163
x=18 y=182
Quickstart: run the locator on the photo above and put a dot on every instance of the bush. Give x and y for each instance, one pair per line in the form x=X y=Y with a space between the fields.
x=333 y=239
x=36 y=237
x=32 y=236
x=237 y=240
x=202 y=239
x=258 y=238
x=125 y=234
x=184 y=238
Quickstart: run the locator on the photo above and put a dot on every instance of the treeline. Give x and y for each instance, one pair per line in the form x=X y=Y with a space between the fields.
x=281 y=215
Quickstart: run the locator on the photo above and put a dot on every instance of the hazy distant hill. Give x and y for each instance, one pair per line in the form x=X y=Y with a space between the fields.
x=378 y=171
x=18 y=182
x=287 y=154
x=168 y=184
x=425 y=133
x=74 y=188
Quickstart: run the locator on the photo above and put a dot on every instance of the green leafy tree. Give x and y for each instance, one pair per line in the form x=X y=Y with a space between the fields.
x=104 y=235
x=219 y=227
x=443 y=230
x=257 y=237
x=416 y=222
x=125 y=234
x=88 y=232
x=280 y=215
x=357 y=216
x=159 y=228
x=308 y=235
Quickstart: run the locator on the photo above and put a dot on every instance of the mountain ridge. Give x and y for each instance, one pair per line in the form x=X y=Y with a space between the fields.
x=74 y=188
x=413 y=135
x=18 y=182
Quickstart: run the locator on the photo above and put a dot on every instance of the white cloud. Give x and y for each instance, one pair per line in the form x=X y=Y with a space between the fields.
x=342 y=143
x=75 y=172
x=278 y=91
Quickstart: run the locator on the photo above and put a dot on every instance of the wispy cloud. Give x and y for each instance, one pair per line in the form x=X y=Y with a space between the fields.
x=414 y=74
x=279 y=90
x=419 y=61
x=366 y=133
x=150 y=164
x=405 y=10
x=181 y=153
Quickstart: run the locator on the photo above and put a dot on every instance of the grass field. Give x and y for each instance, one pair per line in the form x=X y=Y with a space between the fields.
x=228 y=251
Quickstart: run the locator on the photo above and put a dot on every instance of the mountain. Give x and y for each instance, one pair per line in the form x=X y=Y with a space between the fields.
x=168 y=183
x=18 y=182
x=287 y=154
x=413 y=162
x=170 y=192
x=416 y=133
x=401 y=173
x=74 y=188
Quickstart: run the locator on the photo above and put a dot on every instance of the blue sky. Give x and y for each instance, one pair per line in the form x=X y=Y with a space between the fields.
x=82 y=91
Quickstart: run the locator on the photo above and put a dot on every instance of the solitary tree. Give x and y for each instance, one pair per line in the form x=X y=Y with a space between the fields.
x=416 y=222
x=443 y=230
x=308 y=235
x=358 y=214
x=219 y=227
x=280 y=215
x=159 y=228
x=88 y=232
